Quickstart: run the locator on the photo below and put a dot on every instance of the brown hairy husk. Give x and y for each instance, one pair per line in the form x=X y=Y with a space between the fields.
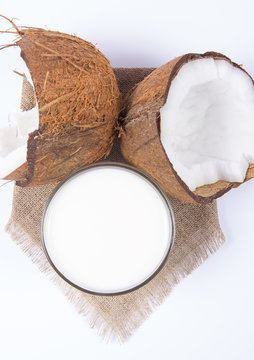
x=78 y=100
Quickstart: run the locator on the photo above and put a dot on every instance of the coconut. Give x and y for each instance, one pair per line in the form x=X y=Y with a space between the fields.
x=190 y=126
x=78 y=102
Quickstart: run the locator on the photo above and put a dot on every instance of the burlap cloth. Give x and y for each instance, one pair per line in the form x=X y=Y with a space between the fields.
x=198 y=234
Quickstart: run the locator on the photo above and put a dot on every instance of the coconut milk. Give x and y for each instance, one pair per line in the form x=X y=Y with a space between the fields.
x=107 y=229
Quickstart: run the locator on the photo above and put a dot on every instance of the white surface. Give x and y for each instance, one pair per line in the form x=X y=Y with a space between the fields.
x=209 y=109
x=210 y=314
x=87 y=228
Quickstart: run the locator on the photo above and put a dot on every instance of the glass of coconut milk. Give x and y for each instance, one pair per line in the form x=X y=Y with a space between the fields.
x=107 y=229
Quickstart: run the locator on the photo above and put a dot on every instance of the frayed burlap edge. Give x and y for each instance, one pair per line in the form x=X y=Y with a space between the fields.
x=193 y=260
x=199 y=236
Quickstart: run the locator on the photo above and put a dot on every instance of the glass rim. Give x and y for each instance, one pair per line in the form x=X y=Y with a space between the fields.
x=157 y=187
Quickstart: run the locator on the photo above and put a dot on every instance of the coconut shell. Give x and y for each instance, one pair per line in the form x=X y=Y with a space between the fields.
x=140 y=141
x=78 y=101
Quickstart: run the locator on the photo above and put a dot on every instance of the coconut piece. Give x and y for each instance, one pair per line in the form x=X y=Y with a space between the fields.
x=78 y=103
x=190 y=126
x=13 y=140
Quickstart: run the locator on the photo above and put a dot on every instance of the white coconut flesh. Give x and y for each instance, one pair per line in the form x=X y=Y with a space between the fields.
x=15 y=124
x=207 y=123
x=13 y=139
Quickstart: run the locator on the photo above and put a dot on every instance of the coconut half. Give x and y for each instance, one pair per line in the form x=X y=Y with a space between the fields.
x=194 y=120
x=78 y=105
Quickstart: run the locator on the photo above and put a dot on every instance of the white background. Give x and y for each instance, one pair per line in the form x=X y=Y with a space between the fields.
x=210 y=315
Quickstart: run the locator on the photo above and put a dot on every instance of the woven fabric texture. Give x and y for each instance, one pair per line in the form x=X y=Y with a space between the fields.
x=198 y=235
